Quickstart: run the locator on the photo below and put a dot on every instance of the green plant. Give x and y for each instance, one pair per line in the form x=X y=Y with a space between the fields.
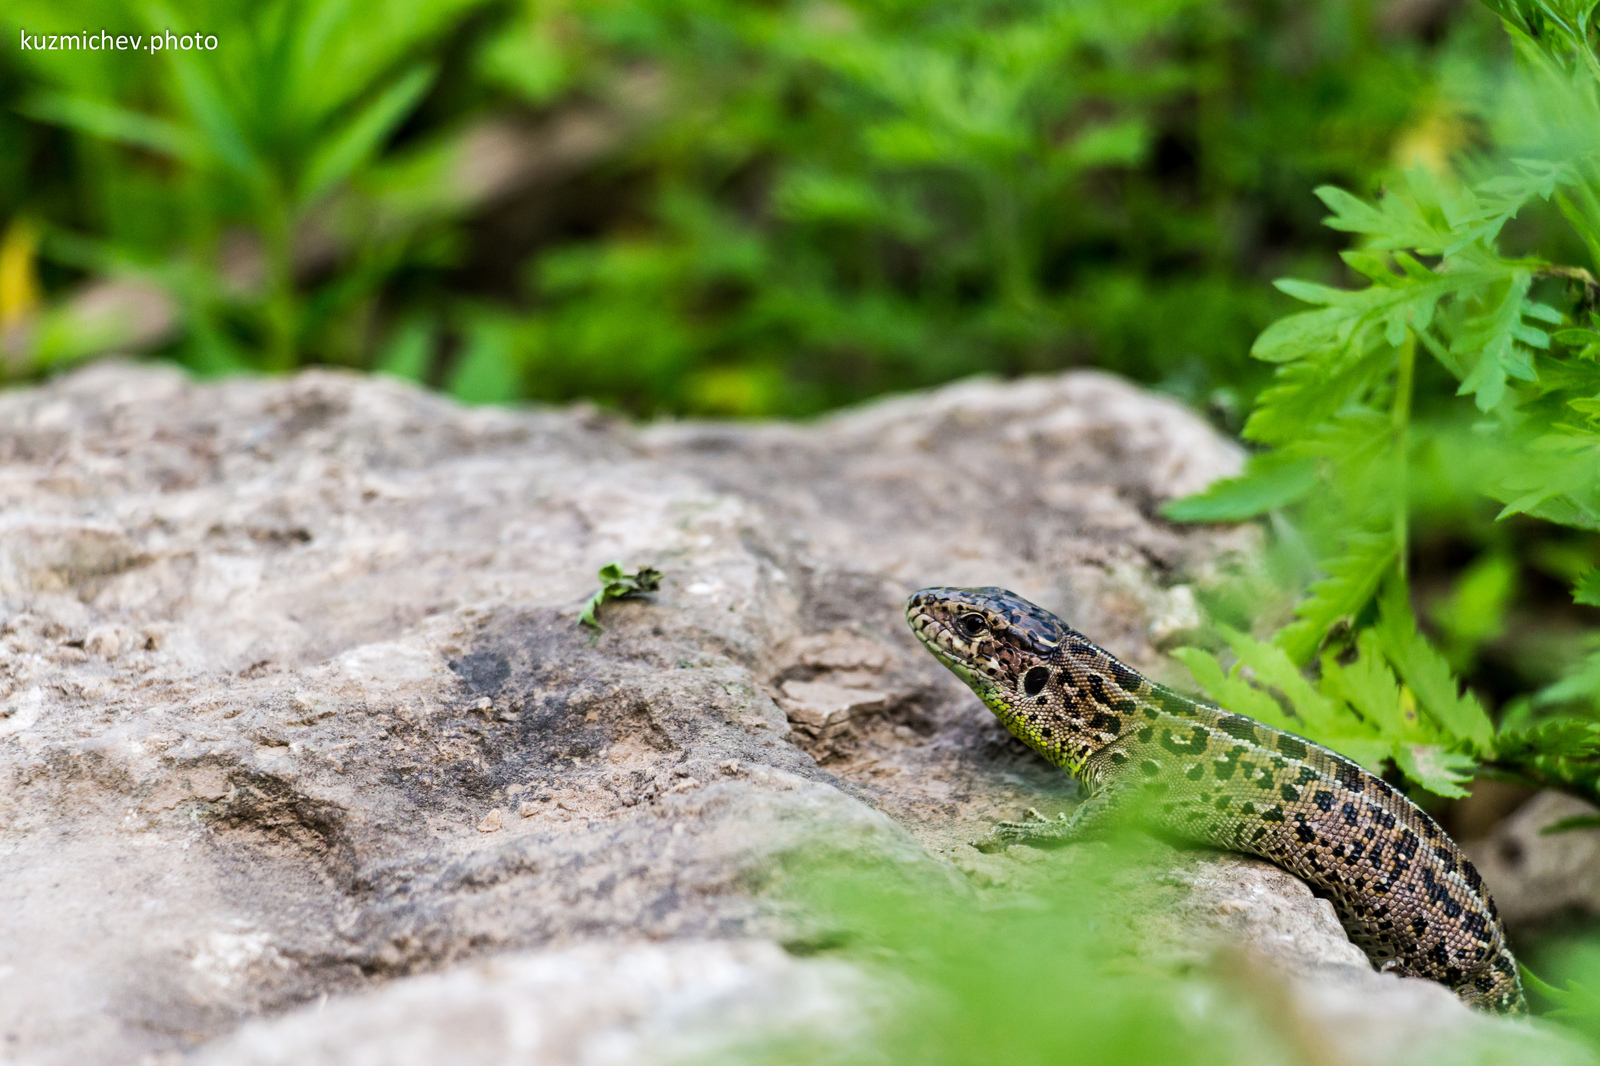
x=1072 y=969
x=792 y=205
x=1364 y=442
x=616 y=584
x=840 y=199
x=241 y=177
x=1091 y=957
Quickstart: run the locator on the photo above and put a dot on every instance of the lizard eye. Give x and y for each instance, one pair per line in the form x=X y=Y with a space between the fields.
x=972 y=624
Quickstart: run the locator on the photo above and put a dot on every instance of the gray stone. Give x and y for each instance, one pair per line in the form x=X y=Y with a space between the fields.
x=1540 y=878
x=613 y=1004
x=304 y=757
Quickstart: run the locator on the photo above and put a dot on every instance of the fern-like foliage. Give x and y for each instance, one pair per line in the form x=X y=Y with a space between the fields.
x=1444 y=310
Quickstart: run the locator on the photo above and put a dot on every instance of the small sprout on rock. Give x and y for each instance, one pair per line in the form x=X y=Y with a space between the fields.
x=616 y=585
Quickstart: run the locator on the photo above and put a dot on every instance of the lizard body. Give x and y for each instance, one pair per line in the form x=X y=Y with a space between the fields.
x=1402 y=889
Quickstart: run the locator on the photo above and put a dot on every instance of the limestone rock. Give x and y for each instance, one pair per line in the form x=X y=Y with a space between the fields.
x=303 y=756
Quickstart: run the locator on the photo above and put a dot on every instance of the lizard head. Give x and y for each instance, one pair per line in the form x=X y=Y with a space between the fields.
x=997 y=642
x=1028 y=666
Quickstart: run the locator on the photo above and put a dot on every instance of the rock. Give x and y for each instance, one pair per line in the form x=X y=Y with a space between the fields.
x=1539 y=879
x=281 y=658
x=1327 y=999
x=591 y=1005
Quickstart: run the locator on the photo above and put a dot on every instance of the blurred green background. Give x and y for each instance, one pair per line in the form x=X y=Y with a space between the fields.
x=699 y=206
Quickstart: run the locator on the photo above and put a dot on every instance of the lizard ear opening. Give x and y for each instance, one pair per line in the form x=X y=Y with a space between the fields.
x=1034 y=680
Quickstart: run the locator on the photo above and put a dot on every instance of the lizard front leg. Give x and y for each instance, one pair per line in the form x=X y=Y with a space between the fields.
x=1093 y=815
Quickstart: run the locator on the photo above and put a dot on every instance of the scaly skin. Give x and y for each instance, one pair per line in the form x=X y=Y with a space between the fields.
x=1401 y=887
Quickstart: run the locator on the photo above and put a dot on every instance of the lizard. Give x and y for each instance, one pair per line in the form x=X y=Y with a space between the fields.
x=1401 y=887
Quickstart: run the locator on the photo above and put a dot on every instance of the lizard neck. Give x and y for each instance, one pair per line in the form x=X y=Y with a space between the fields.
x=1086 y=700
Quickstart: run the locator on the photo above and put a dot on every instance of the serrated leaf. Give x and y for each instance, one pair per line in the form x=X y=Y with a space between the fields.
x=1370 y=265
x=1274 y=669
x=1458 y=714
x=1299 y=335
x=1440 y=772
x=1587 y=588
x=1413 y=269
x=1395 y=221
x=1307 y=393
x=1493 y=335
x=1570 y=738
x=1371 y=752
x=1231 y=691
x=1351 y=582
x=1269 y=481
x=1350 y=212
x=1369 y=685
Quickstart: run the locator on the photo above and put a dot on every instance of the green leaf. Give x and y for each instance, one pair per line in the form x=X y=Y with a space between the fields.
x=1493 y=335
x=1112 y=144
x=1581 y=684
x=1232 y=691
x=409 y=354
x=1269 y=481
x=1369 y=685
x=1308 y=392
x=1296 y=336
x=1312 y=292
x=208 y=107
x=1374 y=266
x=490 y=370
x=1395 y=221
x=1440 y=772
x=1570 y=738
x=1427 y=673
x=617 y=585
x=114 y=123
x=1587 y=588
x=1476 y=609
x=1351 y=582
x=1567 y=825
x=341 y=155
x=1273 y=668
x=1578 y=1004
x=1370 y=752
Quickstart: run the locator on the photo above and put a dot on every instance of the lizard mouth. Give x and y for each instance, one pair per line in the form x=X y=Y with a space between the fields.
x=942 y=641
x=932 y=632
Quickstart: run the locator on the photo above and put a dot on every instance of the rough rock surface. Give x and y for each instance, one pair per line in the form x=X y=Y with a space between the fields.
x=591 y=1005
x=1542 y=878
x=302 y=751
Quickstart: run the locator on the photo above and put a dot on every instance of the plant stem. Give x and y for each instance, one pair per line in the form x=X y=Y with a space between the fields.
x=282 y=311
x=1400 y=429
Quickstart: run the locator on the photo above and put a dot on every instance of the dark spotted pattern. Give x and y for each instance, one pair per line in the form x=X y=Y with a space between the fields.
x=1402 y=889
